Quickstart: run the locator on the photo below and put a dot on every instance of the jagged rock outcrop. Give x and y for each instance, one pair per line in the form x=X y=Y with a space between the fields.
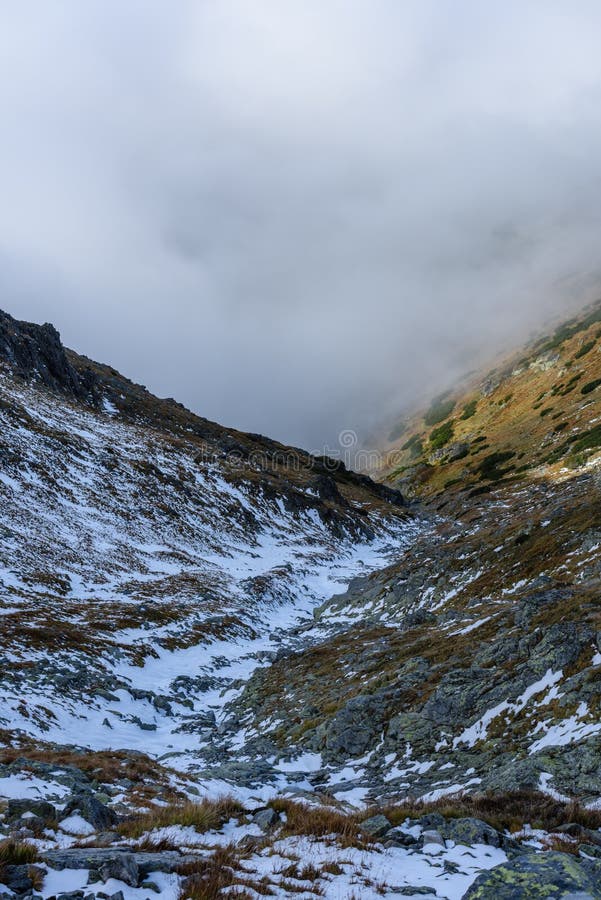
x=35 y=351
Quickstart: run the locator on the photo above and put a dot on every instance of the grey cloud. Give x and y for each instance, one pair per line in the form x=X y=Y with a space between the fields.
x=298 y=217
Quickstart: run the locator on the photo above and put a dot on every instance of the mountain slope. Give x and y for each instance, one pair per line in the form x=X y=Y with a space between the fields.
x=147 y=554
x=397 y=700
x=538 y=411
x=474 y=660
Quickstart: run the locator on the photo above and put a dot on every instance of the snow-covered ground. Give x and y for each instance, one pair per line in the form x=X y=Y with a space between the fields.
x=104 y=521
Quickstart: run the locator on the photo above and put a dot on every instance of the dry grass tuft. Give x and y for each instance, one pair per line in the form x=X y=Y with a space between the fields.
x=332 y=868
x=506 y=811
x=562 y=844
x=321 y=822
x=207 y=815
x=17 y=853
x=218 y=875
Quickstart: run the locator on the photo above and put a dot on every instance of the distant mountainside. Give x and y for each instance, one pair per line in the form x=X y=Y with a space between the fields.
x=537 y=413
x=230 y=668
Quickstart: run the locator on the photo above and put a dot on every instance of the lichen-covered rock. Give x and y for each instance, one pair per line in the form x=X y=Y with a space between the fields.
x=21 y=878
x=470 y=831
x=41 y=809
x=353 y=728
x=537 y=876
x=376 y=826
x=265 y=819
x=94 y=812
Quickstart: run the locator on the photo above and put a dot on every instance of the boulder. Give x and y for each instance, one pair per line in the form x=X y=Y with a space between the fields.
x=431 y=836
x=353 y=729
x=396 y=837
x=376 y=826
x=537 y=876
x=20 y=879
x=122 y=866
x=92 y=810
x=265 y=818
x=103 y=859
x=41 y=809
x=470 y=831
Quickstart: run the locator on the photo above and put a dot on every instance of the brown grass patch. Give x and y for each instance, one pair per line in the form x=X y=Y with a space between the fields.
x=562 y=844
x=208 y=815
x=213 y=877
x=103 y=765
x=507 y=811
x=320 y=822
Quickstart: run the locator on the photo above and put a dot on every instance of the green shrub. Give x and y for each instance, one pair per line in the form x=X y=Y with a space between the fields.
x=590 y=440
x=469 y=409
x=489 y=467
x=442 y=435
x=588 y=388
x=414 y=445
x=572 y=327
x=440 y=408
x=570 y=385
x=479 y=448
x=586 y=440
x=586 y=348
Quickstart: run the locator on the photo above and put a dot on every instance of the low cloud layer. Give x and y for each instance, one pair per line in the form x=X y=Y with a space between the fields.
x=297 y=216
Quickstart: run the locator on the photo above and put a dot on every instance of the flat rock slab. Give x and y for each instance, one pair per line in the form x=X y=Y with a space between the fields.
x=103 y=858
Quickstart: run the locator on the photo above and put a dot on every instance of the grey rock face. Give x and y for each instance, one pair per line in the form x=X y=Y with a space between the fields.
x=39 y=808
x=36 y=350
x=432 y=836
x=94 y=812
x=471 y=831
x=122 y=866
x=376 y=826
x=109 y=860
x=353 y=728
x=265 y=819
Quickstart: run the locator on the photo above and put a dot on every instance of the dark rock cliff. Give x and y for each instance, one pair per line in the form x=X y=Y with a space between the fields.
x=36 y=351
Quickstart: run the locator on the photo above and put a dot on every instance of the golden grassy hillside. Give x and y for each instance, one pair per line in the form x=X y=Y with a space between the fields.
x=540 y=411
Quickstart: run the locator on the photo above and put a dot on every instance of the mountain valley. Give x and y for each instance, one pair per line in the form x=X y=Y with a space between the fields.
x=233 y=668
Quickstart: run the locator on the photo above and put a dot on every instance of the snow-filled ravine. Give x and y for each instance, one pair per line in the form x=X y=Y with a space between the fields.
x=140 y=588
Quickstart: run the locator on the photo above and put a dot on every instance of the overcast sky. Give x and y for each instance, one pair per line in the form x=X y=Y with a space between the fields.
x=297 y=215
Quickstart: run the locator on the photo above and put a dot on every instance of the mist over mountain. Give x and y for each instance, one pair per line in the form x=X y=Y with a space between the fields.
x=298 y=218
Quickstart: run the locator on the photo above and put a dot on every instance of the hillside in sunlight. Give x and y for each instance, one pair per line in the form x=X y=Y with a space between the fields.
x=538 y=412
